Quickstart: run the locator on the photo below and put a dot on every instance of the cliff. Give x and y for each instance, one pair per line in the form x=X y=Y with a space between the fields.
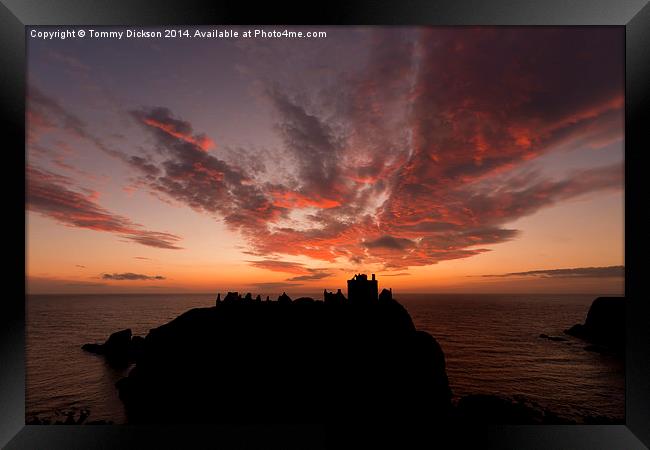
x=306 y=361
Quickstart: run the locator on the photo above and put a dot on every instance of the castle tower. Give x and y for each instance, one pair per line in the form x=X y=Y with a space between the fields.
x=362 y=290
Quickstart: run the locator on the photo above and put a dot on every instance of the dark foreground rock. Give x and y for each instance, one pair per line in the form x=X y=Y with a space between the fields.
x=604 y=326
x=77 y=416
x=120 y=349
x=306 y=361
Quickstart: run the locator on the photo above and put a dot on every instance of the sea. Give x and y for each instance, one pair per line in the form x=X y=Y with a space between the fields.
x=491 y=344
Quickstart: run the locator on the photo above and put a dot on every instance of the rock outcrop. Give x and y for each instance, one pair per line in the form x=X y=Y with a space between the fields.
x=604 y=327
x=284 y=361
x=120 y=349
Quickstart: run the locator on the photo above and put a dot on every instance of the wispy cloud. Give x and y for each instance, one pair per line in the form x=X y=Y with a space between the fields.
x=189 y=174
x=314 y=274
x=577 y=272
x=130 y=276
x=302 y=272
x=50 y=195
x=162 y=120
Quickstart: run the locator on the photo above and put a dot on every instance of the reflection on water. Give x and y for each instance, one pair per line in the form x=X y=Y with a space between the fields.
x=490 y=342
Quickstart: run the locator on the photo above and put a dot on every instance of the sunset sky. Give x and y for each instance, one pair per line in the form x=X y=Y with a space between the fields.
x=441 y=159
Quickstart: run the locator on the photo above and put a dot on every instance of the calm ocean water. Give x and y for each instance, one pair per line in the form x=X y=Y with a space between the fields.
x=490 y=342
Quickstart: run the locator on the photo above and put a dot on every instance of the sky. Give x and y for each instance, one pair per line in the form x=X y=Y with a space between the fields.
x=450 y=159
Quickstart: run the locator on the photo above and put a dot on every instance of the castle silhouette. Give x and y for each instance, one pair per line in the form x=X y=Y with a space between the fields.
x=361 y=291
x=246 y=359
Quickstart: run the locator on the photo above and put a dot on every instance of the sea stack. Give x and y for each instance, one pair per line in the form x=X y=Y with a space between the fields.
x=604 y=326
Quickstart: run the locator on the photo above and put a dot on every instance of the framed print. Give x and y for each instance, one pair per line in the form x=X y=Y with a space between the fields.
x=355 y=223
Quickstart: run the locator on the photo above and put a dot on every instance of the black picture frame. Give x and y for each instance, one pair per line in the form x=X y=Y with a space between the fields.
x=634 y=15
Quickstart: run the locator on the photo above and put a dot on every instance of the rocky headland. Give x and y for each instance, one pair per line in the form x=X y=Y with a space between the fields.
x=604 y=327
x=300 y=360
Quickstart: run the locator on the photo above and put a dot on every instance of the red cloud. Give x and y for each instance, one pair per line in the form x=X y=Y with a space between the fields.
x=419 y=160
x=290 y=199
x=48 y=194
x=201 y=141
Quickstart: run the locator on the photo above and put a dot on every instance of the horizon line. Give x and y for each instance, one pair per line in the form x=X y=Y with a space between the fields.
x=403 y=292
